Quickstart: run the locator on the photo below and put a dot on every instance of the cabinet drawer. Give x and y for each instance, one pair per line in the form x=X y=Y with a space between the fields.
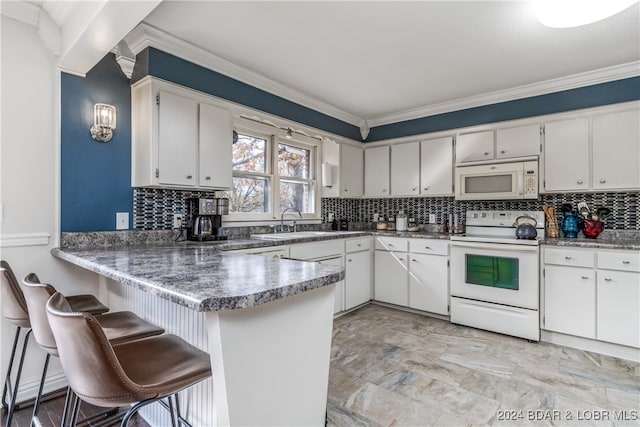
x=355 y=245
x=316 y=250
x=429 y=246
x=392 y=244
x=576 y=258
x=625 y=261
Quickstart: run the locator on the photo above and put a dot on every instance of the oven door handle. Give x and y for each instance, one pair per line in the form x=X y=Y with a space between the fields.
x=495 y=246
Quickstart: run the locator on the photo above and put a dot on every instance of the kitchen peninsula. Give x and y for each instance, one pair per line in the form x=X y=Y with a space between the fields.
x=265 y=322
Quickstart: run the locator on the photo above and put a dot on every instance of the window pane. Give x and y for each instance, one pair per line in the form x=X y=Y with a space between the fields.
x=296 y=195
x=250 y=154
x=249 y=195
x=293 y=161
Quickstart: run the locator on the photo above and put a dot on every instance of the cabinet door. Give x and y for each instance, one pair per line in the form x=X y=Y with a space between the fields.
x=474 y=146
x=519 y=141
x=351 y=171
x=619 y=307
x=357 y=279
x=436 y=167
x=216 y=137
x=405 y=169
x=391 y=278
x=570 y=300
x=429 y=283
x=338 y=304
x=566 y=155
x=177 y=140
x=376 y=171
x=616 y=150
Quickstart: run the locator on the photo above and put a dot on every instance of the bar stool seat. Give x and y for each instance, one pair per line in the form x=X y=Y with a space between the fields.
x=120 y=327
x=15 y=310
x=125 y=372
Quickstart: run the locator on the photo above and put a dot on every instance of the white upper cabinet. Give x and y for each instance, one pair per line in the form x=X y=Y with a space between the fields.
x=376 y=171
x=566 y=155
x=351 y=171
x=474 y=146
x=521 y=141
x=179 y=140
x=405 y=169
x=616 y=150
x=436 y=167
x=215 y=153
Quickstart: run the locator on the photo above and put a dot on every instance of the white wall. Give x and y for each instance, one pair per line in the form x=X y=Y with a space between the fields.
x=29 y=180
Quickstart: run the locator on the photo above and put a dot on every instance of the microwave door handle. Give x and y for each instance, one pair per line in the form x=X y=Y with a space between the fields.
x=519 y=183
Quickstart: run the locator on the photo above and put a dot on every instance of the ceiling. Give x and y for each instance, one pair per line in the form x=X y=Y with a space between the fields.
x=376 y=60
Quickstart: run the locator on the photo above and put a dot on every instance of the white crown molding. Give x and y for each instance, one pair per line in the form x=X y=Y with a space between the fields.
x=145 y=35
x=24 y=239
x=603 y=75
x=21 y=11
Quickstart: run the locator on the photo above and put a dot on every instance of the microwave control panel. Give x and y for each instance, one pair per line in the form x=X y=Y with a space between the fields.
x=530 y=179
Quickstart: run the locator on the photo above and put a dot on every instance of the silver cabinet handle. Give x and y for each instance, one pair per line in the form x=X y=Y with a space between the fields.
x=502 y=151
x=579 y=182
x=486 y=153
x=427 y=247
x=189 y=176
x=359 y=245
x=607 y=279
x=426 y=188
x=567 y=257
x=384 y=190
x=346 y=189
x=584 y=277
x=401 y=259
x=626 y=262
x=349 y=260
x=414 y=188
x=414 y=260
x=390 y=245
x=208 y=178
x=602 y=181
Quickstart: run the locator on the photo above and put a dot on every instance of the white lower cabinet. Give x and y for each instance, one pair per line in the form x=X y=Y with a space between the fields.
x=593 y=294
x=570 y=300
x=427 y=275
x=357 y=272
x=417 y=277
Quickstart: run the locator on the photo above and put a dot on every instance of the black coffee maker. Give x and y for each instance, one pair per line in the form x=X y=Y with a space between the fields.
x=206 y=218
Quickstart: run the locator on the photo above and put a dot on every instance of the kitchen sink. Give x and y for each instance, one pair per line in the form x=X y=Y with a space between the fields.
x=298 y=234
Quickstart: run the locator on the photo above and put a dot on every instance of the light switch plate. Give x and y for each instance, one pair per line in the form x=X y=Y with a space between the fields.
x=432 y=218
x=122 y=220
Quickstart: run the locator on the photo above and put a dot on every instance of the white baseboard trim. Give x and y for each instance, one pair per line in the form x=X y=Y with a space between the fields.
x=608 y=349
x=29 y=389
x=24 y=239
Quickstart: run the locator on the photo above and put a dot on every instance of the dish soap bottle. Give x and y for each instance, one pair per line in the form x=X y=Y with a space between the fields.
x=401 y=221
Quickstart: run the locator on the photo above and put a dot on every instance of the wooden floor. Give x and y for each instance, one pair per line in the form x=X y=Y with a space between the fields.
x=50 y=415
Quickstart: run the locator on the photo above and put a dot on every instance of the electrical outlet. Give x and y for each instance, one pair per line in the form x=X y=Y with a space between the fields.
x=375 y=217
x=432 y=218
x=177 y=220
x=122 y=220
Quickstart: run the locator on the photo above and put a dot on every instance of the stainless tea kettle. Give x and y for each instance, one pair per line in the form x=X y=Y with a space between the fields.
x=525 y=227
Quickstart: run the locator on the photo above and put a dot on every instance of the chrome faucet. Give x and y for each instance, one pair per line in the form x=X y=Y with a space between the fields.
x=282 y=219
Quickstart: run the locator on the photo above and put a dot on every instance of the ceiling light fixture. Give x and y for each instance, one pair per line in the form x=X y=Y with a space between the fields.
x=574 y=13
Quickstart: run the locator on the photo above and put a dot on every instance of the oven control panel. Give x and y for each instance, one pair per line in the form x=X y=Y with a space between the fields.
x=501 y=218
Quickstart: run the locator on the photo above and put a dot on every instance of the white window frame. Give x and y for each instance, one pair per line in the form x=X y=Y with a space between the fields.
x=258 y=130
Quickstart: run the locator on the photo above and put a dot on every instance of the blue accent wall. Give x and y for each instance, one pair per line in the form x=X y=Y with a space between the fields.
x=566 y=100
x=185 y=73
x=95 y=176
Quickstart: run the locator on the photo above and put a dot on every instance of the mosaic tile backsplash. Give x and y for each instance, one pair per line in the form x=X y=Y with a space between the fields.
x=153 y=208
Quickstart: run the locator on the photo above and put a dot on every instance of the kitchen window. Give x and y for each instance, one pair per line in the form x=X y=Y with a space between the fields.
x=272 y=173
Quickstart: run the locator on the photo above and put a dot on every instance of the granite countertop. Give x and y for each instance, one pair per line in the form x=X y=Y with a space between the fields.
x=629 y=244
x=201 y=276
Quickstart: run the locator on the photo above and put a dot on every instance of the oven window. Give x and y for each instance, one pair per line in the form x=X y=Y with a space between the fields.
x=497 y=272
x=488 y=184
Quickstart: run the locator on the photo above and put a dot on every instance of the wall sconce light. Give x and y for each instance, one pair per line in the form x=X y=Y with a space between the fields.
x=104 y=122
x=289 y=133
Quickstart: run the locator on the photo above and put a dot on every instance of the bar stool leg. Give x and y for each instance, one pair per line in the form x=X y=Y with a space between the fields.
x=13 y=391
x=7 y=378
x=67 y=406
x=36 y=404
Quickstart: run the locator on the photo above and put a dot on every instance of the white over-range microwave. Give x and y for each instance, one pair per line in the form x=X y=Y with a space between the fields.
x=497 y=181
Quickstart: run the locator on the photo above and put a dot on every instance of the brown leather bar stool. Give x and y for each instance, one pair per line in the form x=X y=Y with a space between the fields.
x=118 y=327
x=14 y=310
x=136 y=373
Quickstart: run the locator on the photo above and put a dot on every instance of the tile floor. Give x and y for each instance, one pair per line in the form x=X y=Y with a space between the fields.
x=393 y=368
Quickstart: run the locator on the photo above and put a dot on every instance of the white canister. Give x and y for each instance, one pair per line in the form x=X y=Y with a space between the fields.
x=401 y=221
